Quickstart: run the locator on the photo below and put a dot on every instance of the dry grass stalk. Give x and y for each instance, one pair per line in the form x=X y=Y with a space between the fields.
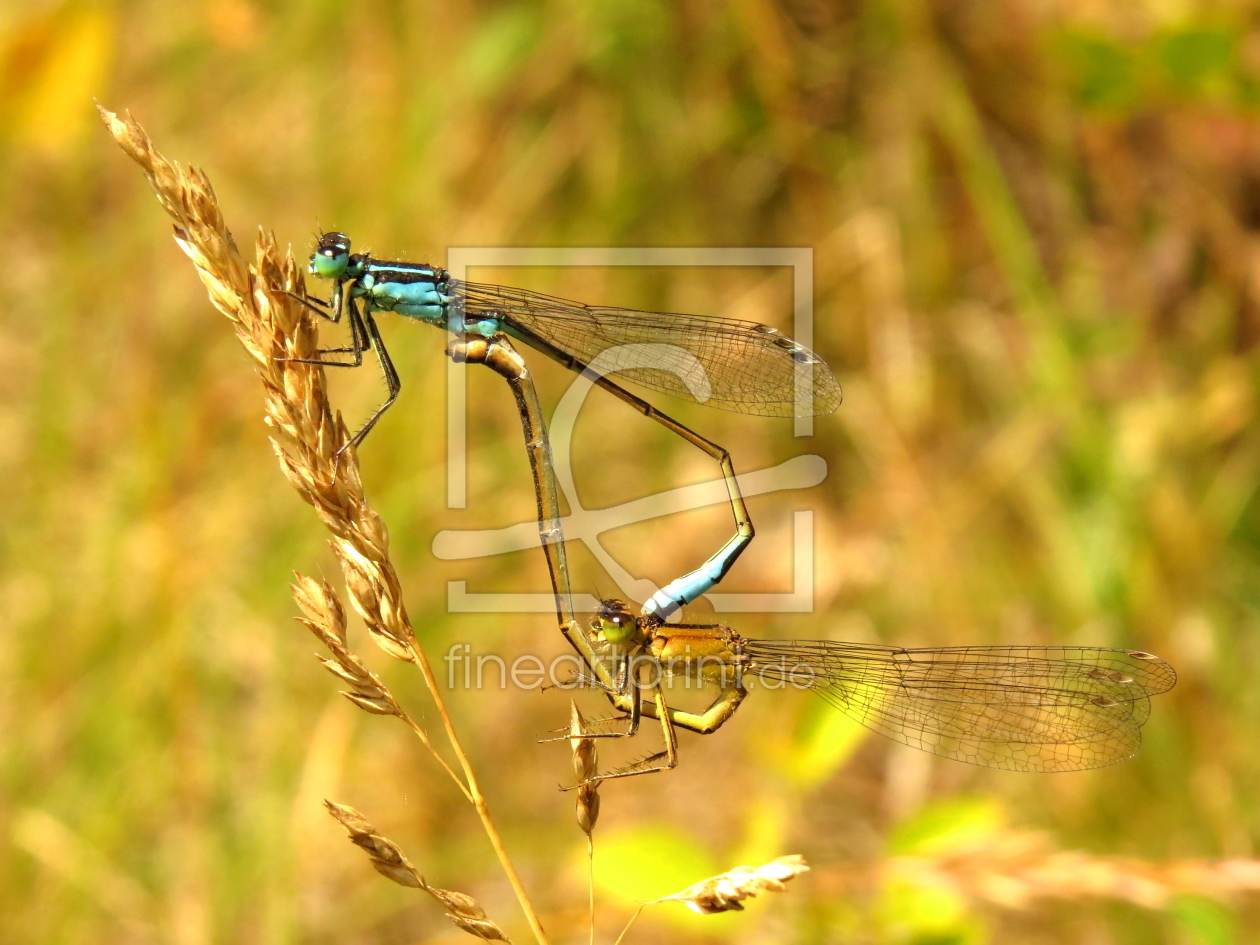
x=1016 y=869
x=275 y=328
x=326 y=618
x=585 y=767
x=392 y=863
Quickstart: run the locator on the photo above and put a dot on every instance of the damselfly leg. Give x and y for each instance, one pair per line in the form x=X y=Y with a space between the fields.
x=364 y=335
x=685 y=590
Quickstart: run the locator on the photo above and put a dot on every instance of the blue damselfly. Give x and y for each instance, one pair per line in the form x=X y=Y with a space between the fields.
x=734 y=365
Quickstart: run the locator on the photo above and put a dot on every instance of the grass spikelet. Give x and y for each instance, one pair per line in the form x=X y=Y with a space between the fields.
x=585 y=767
x=274 y=327
x=726 y=891
x=310 y=443
x=326 y=618
x=389 y=860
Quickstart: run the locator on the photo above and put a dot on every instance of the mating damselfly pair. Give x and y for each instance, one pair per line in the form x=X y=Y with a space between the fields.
x=1014 y=707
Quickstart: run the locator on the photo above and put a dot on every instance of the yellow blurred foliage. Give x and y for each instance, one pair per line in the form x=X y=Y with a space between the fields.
x=52 y=67
x=1036 y=271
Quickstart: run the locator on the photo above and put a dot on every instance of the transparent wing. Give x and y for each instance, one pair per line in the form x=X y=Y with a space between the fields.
x=1055 y=708
x=740 y=366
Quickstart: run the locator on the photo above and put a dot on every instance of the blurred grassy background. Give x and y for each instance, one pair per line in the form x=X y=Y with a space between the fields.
x=1036 y=229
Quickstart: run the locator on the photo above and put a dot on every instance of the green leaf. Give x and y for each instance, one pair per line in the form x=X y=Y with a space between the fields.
x=1204 y=921
x=646 y=862
x=1193 y=56
x=1103 y=73
x=826 y=741
x=501 y=47
x=948 y=826
x=927 y=915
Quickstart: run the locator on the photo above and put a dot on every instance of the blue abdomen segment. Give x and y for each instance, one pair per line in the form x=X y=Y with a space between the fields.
x=678 y=594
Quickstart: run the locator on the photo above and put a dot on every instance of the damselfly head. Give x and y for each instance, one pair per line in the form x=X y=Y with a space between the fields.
x=331 y=256
x=615 y=622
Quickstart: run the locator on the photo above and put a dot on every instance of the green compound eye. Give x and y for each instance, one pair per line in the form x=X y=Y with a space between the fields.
x=329 y=267
x=329 y=263
x=617 y=628
x=331 y=256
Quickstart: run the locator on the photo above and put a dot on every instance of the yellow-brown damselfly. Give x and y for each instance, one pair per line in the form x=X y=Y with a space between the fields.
x=1020 y=708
